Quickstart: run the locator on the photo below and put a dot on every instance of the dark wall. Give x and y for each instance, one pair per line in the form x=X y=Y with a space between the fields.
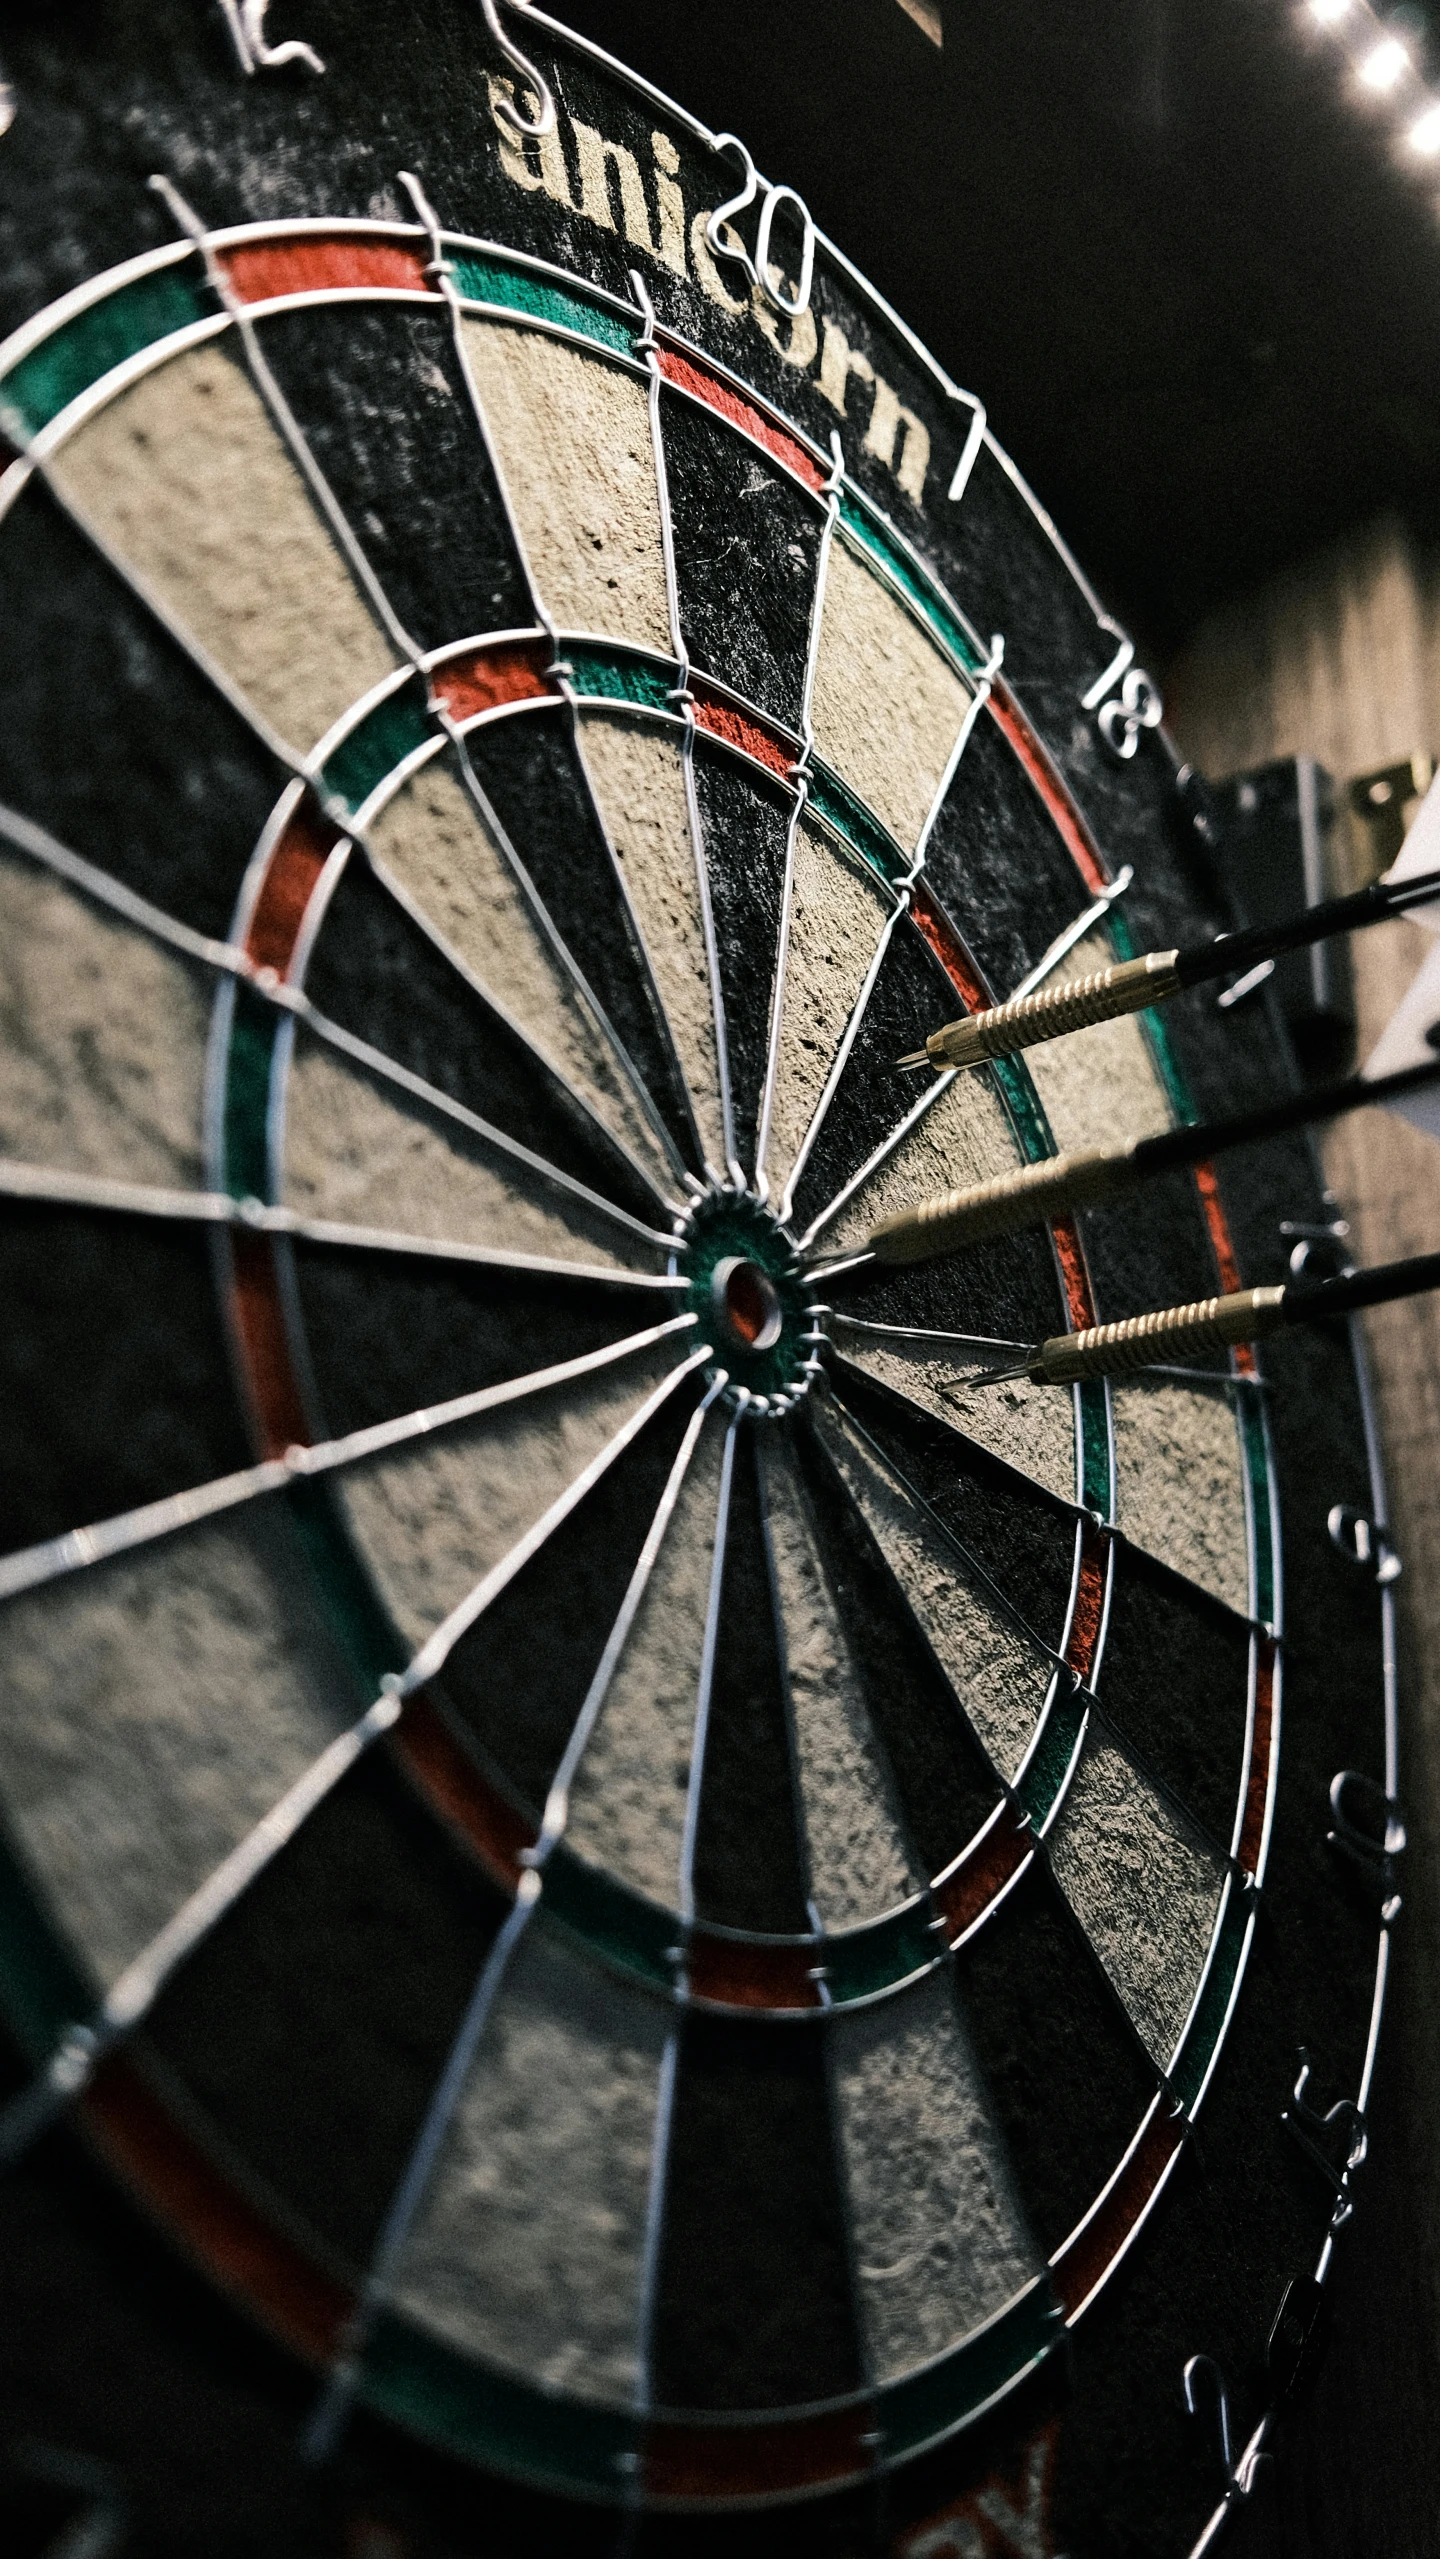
x=1167 y=243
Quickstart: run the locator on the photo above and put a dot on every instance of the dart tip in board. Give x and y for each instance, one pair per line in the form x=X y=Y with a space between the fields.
x=1131 y=1345
x=1130 y=986
x=963 y=1382
x=1168 y=1333
x=820 y=1273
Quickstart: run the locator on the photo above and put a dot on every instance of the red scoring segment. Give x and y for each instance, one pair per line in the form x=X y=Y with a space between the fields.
x=1079 y=842
x=1084 y=852
x=1257 y=1792
x=273 y=270
x=1088 y=2254
x=305 y=846
x=751 y=421
x=484 y=679
x=224 y=2229
x=276 y=270
x=740 y=728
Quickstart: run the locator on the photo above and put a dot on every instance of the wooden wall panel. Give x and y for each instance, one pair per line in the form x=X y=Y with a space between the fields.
x=1339 y=658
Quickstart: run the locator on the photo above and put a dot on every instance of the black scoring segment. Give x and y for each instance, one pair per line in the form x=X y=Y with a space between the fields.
x=744 y=827
x=1228 y=1056
x=378 y=974
x=749 y=1870
x=1020 y=1536
x=944 y=1783
x=753 y=2305
x=1150 y=1251
x=172 y=787
x=1332 y=1605
x=528 y=769
x=378 y=394
x=518 y=1679
x=1174 y=1681
x=115 y=1377
x=369 y=1915
x=1065 y=2070
x=998 y=863
x=1008 y=1290
x=387 y=1333
x=747 y=540
x=1013 y=578
x=1182 y=2285
x=911 y=995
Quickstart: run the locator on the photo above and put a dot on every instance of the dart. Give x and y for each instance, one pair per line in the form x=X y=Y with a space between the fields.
x=1210 y=1324
x=951 y=1220
x=1130 y=986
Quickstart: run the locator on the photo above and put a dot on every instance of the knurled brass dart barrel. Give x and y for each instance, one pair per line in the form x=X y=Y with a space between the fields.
x=1131 y=985
x=951 y=1221
x=1213 y=1324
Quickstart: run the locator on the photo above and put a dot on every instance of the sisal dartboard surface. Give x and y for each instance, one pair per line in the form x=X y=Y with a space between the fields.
x=678 y=1905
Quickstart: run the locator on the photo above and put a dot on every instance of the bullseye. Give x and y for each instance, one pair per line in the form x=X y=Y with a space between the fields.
x=745 y=1287
x=746 y=1303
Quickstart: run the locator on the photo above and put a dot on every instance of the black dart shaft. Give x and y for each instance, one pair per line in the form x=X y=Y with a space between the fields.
x=1276 y=1119
x=953 y=1220
x=1374 y=905
x=1131 y=985
x=1312 y=1301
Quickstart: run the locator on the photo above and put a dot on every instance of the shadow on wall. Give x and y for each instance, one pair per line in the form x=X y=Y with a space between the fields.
x=1337 y=657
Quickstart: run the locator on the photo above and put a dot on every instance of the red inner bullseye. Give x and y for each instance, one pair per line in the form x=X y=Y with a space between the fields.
x=746 y=1299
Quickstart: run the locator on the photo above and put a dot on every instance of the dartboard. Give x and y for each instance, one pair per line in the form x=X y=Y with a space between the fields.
x=679 y=1895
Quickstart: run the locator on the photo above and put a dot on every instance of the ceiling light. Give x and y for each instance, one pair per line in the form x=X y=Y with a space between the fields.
x=1327 y=11
x=1386 y=63
x=1424 y=134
